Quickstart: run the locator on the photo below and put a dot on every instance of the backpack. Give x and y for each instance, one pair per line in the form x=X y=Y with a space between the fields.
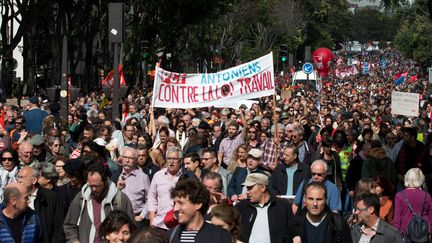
x=417 y=229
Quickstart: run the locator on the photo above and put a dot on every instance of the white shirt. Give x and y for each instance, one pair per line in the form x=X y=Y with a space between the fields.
x=32 y=199
x=260 y=230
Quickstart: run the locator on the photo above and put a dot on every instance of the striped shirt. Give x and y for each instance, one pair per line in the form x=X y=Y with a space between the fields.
x=188 y=236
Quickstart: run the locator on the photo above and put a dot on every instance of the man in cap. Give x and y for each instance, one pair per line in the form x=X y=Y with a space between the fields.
x=264 y=218
x=74 y=169
x=34 y=116
x=236 y=190
x=39 y=152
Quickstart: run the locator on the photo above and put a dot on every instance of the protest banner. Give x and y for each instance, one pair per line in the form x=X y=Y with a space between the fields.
x=246 y=81
x=406 y=104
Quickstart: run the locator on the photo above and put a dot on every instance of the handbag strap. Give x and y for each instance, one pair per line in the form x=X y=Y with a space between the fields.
x=409 y=205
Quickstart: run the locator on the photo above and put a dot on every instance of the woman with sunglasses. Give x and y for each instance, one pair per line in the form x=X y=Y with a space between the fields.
x=54 y=146
x=9 y=168
x=180 y=133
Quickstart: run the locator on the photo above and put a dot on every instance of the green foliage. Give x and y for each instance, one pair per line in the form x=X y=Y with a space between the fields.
x=414 y=38
x=370 y=24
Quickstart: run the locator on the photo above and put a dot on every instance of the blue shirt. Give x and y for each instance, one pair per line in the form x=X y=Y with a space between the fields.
x=290 y=179
x=333 y=196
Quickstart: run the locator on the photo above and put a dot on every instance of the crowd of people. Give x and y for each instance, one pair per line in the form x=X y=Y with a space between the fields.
x=333 y=165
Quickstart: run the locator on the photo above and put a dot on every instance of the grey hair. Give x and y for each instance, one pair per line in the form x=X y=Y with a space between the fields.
x=175 y=150
x=47 y=170
x=414 y=178
x=320 y=162
x=133 y=150
x=298 y=130
x=280 y=127
x=163 y=119
x=51 y=140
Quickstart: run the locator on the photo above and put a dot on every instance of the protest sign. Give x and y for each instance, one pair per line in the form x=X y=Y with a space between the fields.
x=246 y=81
x=406 y=104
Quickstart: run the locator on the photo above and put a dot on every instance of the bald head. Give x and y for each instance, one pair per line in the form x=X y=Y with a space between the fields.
x=28 y=176
x=319 y=170
x=25 y=151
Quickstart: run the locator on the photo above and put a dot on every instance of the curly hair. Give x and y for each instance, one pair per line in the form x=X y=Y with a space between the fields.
x=193 y=190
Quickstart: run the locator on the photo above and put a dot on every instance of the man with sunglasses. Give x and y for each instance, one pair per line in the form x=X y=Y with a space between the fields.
x=319 y=173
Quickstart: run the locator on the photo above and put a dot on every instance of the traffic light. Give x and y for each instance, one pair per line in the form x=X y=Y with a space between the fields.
x=283 y=53
x=145 y=49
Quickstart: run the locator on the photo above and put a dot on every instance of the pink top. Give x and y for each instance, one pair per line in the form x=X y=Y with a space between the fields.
x=402 y=214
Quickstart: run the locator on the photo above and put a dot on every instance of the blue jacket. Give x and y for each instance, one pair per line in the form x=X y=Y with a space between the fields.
x=33 y=120
x=239 y=176
x=31 y=228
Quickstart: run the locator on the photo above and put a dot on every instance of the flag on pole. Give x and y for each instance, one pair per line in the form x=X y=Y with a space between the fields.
x=401 y=78
x=412 y=79
x=109 y=80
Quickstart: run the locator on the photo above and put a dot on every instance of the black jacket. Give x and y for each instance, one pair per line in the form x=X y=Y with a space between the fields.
x=279 y=216
x=337 y=228
x=47 y=206
x=279 y=178
x=208 y=233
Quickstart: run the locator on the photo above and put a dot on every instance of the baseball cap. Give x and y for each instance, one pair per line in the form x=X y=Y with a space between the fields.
x=256 y=153
x=37 y=140
x=256 y=178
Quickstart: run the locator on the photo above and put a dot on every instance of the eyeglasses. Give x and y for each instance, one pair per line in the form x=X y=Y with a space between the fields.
x=180 y=126
x=7 y=158
x=361 y=209
x=173 y=159
x=318 y=174
x=56 y=145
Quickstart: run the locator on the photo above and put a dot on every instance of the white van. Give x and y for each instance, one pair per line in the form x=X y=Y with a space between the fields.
x=301 y=77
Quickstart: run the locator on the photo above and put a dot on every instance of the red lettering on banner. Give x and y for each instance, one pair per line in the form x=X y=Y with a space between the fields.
x=160 y=92
x=195 y=93
x=204 y=94
x=257 y=83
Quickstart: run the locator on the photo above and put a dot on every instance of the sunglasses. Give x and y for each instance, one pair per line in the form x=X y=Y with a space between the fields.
x=7 y=159
x=318 y=174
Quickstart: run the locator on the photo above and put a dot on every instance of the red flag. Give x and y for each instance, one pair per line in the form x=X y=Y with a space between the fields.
x=109 y=80
x=397 y=76
x=412 y=79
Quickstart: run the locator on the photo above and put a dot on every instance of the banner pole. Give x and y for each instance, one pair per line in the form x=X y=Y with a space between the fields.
x=276 y=152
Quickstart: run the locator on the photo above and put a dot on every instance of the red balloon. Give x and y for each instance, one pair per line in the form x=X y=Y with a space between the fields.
x=322 y=58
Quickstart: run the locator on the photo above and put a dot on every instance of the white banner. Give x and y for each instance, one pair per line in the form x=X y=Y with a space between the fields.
x=247 y=81
x=406 y=104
